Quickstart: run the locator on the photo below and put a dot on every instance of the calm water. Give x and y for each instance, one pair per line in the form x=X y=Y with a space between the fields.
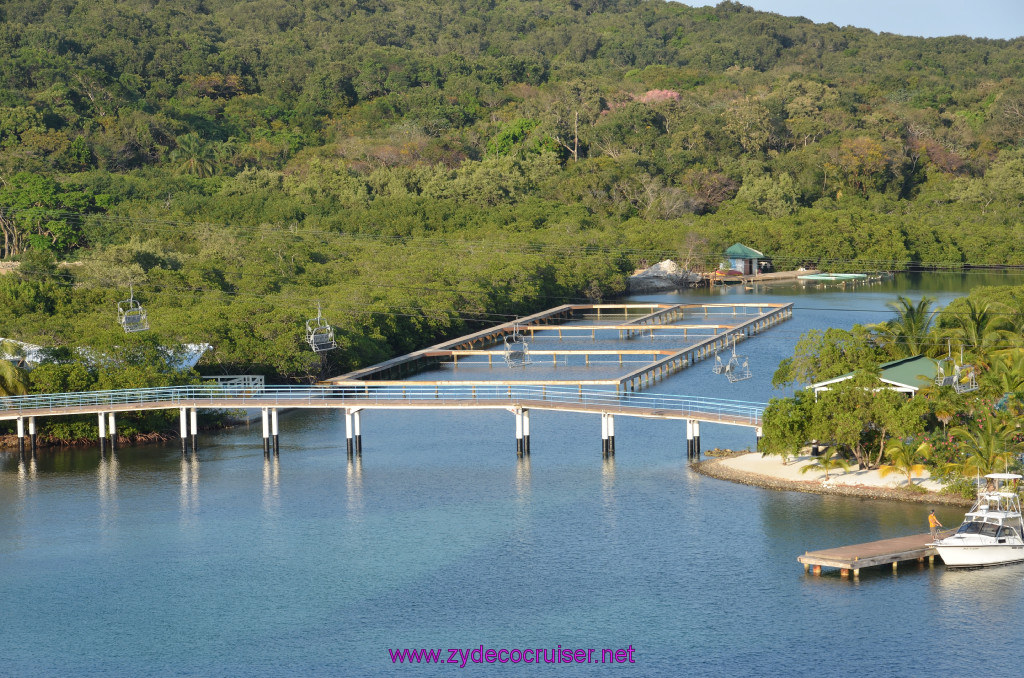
x=226 y=564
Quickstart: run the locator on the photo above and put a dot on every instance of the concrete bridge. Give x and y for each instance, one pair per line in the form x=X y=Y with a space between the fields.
x=352 y=399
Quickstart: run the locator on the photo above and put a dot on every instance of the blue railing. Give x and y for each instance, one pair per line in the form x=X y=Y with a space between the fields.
x=392 y=395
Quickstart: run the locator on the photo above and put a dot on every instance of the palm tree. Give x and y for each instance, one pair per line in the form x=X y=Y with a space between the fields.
x=193 y=155
x=13 y=376
x=905 y=459
x=829 y=461
x=944 y=416
x=990 y=447
x=976 y=328
x=907 y=334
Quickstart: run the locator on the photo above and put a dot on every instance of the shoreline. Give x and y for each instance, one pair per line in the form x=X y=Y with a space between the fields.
x=716 y=467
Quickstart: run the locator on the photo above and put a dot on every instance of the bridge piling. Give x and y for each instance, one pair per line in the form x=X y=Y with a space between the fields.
x=604 y=434
x=21 y=436
x=195 y=427
x=519 y=431
x=273 y=431
x=103 y=432
x=526 y=432
x=183 y=428
x=758 y=432
x=112 y=421
x=689 y=439
x=696 y=438
x=357 y=430
x=349 y=442
x=265 y=416
x=32 y=435
x=611 y=435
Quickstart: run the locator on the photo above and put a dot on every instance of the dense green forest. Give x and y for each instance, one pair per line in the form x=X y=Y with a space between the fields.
x=420 y=167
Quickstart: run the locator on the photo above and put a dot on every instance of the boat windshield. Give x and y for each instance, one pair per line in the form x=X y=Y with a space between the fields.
x=1007 y=531
x=978 y=527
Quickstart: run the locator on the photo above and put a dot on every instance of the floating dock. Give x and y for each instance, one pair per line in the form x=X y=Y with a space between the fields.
x=883 y=552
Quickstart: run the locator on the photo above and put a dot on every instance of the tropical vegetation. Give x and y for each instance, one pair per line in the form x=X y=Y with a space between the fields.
x=422 y=168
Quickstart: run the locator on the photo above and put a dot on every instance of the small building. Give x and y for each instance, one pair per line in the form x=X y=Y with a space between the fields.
x=907 y=375
x=746 y=260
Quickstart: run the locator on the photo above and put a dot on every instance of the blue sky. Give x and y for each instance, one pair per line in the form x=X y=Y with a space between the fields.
x=928 y=18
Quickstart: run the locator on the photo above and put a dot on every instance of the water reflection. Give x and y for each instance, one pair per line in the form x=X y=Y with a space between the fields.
x=985 y=593
x=271 y=483
x=608 y=490
x=106 y=481
x=189 y=495
x=354 y=485
x=523 y=478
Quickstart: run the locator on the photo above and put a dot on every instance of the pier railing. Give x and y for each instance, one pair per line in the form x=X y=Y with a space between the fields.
x=667 y=406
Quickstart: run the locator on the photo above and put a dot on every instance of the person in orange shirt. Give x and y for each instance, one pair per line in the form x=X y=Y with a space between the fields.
x=933 y=522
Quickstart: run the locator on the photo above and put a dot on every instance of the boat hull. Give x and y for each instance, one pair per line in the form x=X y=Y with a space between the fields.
x=980 y=555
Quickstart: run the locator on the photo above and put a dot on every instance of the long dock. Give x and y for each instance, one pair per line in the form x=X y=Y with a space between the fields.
x=700 y=341
x=870 y=554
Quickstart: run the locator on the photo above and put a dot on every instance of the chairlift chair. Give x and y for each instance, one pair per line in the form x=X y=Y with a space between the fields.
x=719 y=366
x=131 y=315
x=517 y=351
x=319 y=334
x=965 y=376
x=738 y=367
x=941 y=378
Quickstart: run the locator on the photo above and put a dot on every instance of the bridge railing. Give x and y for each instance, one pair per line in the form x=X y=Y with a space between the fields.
x=222 y=396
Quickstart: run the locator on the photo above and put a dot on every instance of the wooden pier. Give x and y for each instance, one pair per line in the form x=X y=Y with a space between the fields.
x=700 y=341
x=852 y=558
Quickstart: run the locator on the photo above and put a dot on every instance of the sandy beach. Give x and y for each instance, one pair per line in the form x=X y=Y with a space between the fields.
x=769 y=472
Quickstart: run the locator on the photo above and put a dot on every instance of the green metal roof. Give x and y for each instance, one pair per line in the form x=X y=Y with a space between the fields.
x=916 y=372
x=740 y=251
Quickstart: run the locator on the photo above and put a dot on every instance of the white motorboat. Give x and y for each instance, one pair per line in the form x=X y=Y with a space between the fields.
x=991 y=533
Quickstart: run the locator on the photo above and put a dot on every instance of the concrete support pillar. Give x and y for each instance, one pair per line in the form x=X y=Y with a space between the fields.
x=758 y=432
x=112 y=425
x=526 y=432
x=357 y=431
x=265 y=416
x=689 y=439
x=183 y=428
x=519 y=432
x=611 y=435
x=21 y=435
x=349 y=433
x=604 y=434
x=696 y=439
x=32 y=434
x=273 y=431
x=103 y=431
x=195 y=427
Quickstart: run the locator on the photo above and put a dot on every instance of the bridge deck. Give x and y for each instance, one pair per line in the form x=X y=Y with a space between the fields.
x=405 y=396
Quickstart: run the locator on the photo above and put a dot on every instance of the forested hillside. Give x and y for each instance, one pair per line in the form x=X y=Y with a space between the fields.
x=420 y=166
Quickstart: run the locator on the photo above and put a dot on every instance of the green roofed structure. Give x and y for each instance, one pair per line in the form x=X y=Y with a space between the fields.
x=746 y=260
x=907 y=375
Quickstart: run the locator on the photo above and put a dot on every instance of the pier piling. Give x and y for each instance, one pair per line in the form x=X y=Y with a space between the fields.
x=274 y=430
x=195 y=428
x=357 y=431
x=520 y=450
x=349 y=441
x=183 y=428
x=32 y=435
x=21 y=436
x=112 y=421
x=526 y=432
x=103 y=432
x=265 y=416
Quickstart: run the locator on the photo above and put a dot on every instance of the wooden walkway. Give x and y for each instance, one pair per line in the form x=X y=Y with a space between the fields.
x=882 y=552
